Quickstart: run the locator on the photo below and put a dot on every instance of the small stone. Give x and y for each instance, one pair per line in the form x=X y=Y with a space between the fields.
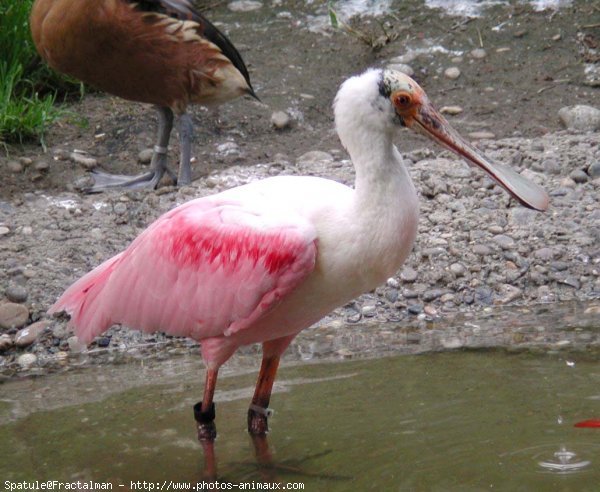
x=281 y=120
x=592 y=310
x=391 y=295
x=546 y=254
x=103 y=342
x=482 y=135
x=6 y=342
x=392 y=282
x=452 y=72
x=41 y=166
x=451 y=110
x=430 y=311
x=145 y=156
x=88 y=163
x=551 y=166
x=521 y=33
x=580 y=118
x=16 y=293
x=402 y=67
x=510 y=293
x=504 y=241
x=478 y=53
x=244 y=5
x=594 y=170
x=415 y=308
x=457 y=269
x=75 y=346
x=571 y=281
x=14 y=167
x=315 y=157
x=13 y=315
x=432 y=294
x=27 y=336
x=4 y=230
x=26 y=360
x=481 y=250
x=369 y=310
x=408 y=275
x=579 y=176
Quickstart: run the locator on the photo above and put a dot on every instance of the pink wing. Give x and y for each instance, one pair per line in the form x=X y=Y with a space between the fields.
x=204 y=269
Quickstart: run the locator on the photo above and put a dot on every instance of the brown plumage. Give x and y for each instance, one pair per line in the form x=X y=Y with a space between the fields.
x=161 y=52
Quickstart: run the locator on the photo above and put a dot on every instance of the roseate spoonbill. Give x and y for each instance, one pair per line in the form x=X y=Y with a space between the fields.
x=263 y=261
x=162 y=52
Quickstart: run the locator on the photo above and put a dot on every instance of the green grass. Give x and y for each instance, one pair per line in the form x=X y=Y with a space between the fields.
x=28 y=88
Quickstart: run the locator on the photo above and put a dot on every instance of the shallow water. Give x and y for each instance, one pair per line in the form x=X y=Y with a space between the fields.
x=449 y=421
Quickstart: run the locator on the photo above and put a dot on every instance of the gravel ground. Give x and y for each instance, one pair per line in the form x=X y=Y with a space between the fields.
x=476 y=251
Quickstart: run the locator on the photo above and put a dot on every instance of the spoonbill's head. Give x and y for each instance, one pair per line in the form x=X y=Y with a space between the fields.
x=387 y=99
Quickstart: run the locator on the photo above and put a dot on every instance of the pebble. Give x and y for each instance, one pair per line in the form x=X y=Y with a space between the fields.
x=369 y=310
x=27 y=336
x=415 y=308
x=41 y=166
x=594 y=170
x=88 y=163
x=551 y=166
x=408 y=275
x=451 y=110
x=580 y=118
x=6 y=342
x=75 y=346
x=4 y=230
x=14 y=167
x=244 y=5
x=546 y=254
x=458 y=270
x=504 y=241
x=16 y=293
x=432 y=295
x=481 y=250
x=579 y=176
x=402 y=67
x=315 y=157
x=26 y=360
x=452 y=73
x=478 y=53
x=145 y=156
x=481 y=135
x=281 y=120
x=13 y=315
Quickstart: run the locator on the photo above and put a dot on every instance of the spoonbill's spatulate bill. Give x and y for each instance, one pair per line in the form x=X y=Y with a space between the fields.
x=261 y=262
x=161 y=52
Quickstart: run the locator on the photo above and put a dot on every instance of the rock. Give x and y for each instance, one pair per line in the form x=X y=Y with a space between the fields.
x=451 y=110
x=6 y=342
x=281 y=120
x=457 y=269
x=504 y=241
x=26 y=360
x=315 y=157
x=579 y=176
x=75 y=346
x=16 y=293
x=402 y=67
x=103 y=342
x=482 y=135
x=551 y=166
x=510 y=293
x=14 y=167
x=432 y=295
x=244 y=5
x=41 y=166
x=408 y=275
x=4 y=230
x=594 y=170
x=27 y=336
x=415 y=308
x=546 y=254
x=481 y=250
x=369 y=310
x=478 y=53
x=88 y=163
x=391 y=295
x=452 y=72
x=145 y=156
x=13 y=315
x=580 y=118
x=392 y=282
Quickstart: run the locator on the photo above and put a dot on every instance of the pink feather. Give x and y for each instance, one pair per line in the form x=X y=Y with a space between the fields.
x=207 y=268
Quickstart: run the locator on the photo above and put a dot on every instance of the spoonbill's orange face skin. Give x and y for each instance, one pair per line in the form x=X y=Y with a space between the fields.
x=413 y=110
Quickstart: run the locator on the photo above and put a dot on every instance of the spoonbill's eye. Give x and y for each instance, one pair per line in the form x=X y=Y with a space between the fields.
x=402 y=100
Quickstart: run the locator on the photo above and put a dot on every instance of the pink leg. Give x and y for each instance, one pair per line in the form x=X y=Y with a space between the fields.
x=258 y=412
x=204 y=412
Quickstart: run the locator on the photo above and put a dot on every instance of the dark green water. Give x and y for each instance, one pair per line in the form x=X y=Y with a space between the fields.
x=455 y=421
